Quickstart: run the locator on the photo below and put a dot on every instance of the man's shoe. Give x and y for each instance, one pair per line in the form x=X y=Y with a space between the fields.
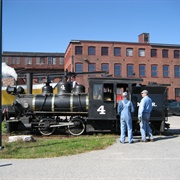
x=143 y=140
x=121 y=142
x=131 y=142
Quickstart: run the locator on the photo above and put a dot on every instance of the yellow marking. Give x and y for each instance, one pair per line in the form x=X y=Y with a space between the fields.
x=7 y=99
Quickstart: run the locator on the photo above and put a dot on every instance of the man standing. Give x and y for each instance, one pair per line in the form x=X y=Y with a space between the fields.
x=125 y=108
x=73 y=81
x=144 y=113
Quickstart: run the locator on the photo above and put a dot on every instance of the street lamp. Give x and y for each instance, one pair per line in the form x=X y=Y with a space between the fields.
x=72 y=62
x=86 y=60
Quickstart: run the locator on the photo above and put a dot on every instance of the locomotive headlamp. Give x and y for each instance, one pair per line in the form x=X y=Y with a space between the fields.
x=11 y=90
x=25 y=105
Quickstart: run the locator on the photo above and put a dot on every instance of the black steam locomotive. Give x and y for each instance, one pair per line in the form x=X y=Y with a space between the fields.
x=80 y=112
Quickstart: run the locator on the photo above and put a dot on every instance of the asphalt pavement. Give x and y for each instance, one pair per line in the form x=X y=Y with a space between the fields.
x=158 y=160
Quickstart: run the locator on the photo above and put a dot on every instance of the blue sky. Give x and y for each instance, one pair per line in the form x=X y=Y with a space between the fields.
x=49 y=25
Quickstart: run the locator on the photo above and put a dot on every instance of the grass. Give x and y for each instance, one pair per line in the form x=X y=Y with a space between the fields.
x=3 y=127
x=55 y=146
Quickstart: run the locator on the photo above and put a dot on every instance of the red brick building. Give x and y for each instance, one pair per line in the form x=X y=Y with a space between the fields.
x=33 y=62
x=153 y=62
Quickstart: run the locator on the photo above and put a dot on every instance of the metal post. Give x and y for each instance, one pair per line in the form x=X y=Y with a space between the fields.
x=29 y=82
x=1 y=147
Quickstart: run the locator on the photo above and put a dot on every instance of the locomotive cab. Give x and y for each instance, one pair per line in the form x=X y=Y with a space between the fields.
x=104 y=94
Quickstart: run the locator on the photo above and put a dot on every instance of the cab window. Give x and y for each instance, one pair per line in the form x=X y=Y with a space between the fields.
x=97 y=91
x=108 y=92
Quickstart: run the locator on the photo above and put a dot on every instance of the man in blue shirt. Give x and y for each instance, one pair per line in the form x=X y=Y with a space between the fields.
x=125 y=108
x=144 y=113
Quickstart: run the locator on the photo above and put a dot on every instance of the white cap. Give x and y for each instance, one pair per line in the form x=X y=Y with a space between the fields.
x=124 y=94
x=144 y=92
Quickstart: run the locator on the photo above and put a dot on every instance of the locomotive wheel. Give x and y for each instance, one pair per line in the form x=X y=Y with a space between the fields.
x=77 y=128
x=44 y=127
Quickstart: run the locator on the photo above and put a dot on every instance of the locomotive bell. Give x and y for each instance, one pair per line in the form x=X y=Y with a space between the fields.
x=47 y=89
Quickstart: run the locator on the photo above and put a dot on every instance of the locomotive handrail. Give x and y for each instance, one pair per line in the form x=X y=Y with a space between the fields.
x=115 y=103
x=44 y=112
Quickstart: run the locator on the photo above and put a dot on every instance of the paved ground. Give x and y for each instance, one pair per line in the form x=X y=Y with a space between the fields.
x=159 y=160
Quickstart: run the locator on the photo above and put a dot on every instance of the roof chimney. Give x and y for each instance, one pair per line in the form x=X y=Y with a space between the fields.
x=144 y=38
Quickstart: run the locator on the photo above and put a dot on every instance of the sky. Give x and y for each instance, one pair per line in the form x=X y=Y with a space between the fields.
x=49 y=25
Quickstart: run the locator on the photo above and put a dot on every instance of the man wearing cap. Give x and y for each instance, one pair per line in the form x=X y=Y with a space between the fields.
x=125 y=108
x=144 y=113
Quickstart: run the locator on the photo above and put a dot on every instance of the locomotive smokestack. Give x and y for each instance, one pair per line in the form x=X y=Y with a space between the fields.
x=29 y=82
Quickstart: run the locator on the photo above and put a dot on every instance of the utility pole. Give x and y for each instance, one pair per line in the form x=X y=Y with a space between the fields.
x=1 y=147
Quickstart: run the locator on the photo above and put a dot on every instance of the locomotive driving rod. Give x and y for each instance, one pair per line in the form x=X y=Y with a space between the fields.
x=62 y=124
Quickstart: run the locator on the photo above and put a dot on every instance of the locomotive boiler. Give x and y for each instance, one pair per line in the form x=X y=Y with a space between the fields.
x=80 y=112
x=47 y=111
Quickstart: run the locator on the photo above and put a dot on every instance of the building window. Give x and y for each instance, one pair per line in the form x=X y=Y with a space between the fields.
x=129 y=52
x=165 y=53
x=141 y=52
x=130 y=70
x=176 y=54
x=177 y=71
x=153 y=52
x=51 y=78
x=78 y=50
x=91 y=67
x=104 y=51
x=117 y=51
x=79 y=67
x=165 y=71
x=105 y=67
x=177 y=92
x=142 y=70
x=15 y=60
x=61 y=61
x=27 y=60
x=154 y=71
x=39 y=79
x=40 y=60
x=91 y=50
x=51 y=60
x=117 y=70
x=5 y=59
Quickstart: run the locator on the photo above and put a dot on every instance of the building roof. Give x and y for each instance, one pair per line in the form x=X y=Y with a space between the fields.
x=165 y=45
x=122 y=42
x=31 y=54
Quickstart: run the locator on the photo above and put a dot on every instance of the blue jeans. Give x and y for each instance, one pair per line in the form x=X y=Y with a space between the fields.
x=145 y=127
x=126 y=124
